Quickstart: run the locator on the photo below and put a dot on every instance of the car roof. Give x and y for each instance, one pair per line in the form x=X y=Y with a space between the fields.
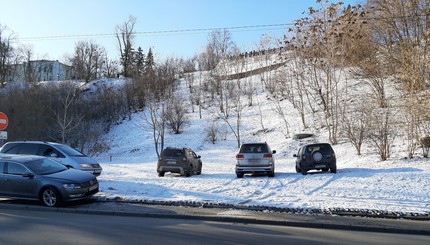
x=255 y=143
x=33 y=142
x=176 y=148
x=315 y=144
x=19 y=158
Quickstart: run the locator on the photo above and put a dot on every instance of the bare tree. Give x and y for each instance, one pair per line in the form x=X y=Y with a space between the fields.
x=265 y=59
x=234 y=121
x=88 y=60
x=280 y=111
x=125 y=38
x=6 y=55
x=220 y=46
x=293 y=82
x=326 y=36
x=110 y=68
x=399 y=41
x=401 y=29
x=62 y=109
x=382 y=131
x=212 y=133
x=175 y=114
x=356 y=124
x=156 y=121
x=30 y=68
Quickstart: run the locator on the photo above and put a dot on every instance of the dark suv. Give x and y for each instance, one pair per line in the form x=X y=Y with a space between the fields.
x=179 y=160
x=319 y=156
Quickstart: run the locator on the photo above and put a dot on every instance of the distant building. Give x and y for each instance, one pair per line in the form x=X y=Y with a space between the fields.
x=41 y=70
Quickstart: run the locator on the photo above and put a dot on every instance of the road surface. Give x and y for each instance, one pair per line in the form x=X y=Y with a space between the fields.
x=42 y=227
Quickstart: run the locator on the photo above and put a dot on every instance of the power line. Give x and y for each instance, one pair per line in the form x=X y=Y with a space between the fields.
x=192 y=31
x=165 y=32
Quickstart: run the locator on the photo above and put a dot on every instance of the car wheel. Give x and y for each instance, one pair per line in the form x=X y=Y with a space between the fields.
x=304 y=172
x=50 y=197
x=325 y=169
x=271 y=174
x=239 y=175
x=333 y=169
x=200 y=169
x=161 y=174
x=298 y=169
x=189 y=172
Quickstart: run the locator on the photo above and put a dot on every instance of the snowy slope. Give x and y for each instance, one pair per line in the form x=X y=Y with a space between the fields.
x=362 y=182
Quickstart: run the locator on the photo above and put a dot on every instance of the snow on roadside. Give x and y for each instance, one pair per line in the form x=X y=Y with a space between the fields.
x=362 y=182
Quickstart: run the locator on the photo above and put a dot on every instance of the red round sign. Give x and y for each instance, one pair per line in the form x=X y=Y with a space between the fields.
x=3 y=121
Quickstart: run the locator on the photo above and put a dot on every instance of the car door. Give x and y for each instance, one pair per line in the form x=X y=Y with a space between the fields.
x=28 y=149
x=196 y=160
x=3 y=184
x=190 y=158
x=299 y=156
x=18 y=181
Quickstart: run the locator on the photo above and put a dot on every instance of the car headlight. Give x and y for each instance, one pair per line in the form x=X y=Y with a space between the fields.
x=72 y=186
x=85 y=165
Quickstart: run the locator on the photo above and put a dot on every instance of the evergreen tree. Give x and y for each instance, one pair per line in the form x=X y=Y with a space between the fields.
x=149 y=64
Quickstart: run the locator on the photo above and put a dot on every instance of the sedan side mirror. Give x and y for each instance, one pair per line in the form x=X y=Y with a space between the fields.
x=28 y=175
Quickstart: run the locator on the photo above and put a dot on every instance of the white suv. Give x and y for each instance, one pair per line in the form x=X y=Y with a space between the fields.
x=255 y=158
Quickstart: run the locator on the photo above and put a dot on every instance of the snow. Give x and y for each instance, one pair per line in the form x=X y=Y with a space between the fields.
x=362 y=182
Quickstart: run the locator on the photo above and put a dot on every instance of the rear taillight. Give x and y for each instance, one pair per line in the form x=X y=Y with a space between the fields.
x=304 y=157
x=267 y=156
x=240 y=156
x=333 y=155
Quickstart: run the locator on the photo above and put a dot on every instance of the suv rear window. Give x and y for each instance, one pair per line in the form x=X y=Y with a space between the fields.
x=253 y=148
x=326 y=149
x=173 y=153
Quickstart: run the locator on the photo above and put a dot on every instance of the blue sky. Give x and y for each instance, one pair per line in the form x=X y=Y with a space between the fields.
x=82 y=19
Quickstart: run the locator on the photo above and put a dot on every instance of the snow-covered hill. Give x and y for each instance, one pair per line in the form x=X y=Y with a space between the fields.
x=362 y=182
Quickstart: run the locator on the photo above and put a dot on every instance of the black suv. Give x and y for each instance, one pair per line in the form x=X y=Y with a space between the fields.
x=318 y=156
x=179 y=160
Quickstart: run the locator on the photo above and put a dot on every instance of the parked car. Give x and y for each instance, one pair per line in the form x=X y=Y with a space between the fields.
x=64 y=154
x=41 y=178
x=255 y=158
x=318 y=156
x=179 y=160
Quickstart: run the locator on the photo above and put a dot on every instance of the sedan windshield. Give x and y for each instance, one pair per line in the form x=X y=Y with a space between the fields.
x=45 y=166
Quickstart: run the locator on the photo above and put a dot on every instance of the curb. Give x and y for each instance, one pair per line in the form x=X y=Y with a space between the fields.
x=334 y=211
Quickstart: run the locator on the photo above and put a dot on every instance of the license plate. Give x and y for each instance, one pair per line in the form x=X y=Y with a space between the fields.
x=171 y=162
x=320 y=166
x=93 y=187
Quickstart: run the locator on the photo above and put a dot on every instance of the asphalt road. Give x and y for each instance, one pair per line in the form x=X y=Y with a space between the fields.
x=47 y=227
